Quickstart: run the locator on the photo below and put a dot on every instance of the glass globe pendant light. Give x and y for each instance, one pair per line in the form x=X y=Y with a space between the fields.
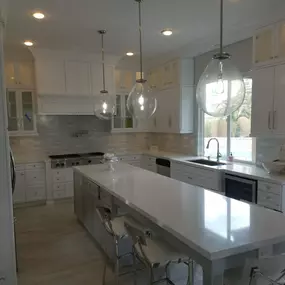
x=220 y=90
x=105 y=104
x=141 y=102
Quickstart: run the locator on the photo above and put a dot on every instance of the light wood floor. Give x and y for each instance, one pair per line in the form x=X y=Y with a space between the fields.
x=53 y=249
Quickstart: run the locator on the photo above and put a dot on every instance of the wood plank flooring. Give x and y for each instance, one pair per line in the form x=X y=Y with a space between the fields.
x=54 y=249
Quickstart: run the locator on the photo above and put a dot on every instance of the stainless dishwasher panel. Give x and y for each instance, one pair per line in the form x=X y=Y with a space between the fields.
x=163 y=167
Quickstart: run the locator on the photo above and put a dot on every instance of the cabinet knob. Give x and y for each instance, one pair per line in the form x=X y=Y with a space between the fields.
x=276 y=56
x=271 y=57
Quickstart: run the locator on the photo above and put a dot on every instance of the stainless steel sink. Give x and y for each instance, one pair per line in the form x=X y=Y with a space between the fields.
x=206 y=162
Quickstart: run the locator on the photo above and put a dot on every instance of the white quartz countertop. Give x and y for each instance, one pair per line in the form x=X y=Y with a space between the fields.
x=236 y=168
x=213 y=225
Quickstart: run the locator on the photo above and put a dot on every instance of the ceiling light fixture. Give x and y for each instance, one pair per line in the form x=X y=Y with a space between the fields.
x=167 y=32
x=221 y=89
x=129 y=53
x=28 y=43
x=104 y=104
x=141 y=103
x=39 y=15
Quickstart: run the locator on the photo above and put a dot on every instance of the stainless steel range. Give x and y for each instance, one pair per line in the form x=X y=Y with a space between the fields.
x=70 y=160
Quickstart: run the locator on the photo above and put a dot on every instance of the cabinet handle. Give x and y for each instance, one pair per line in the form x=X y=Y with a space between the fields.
x=271 y=57
x=269 y=120
x=274 y=119
x=190 y=178
x=276 y=56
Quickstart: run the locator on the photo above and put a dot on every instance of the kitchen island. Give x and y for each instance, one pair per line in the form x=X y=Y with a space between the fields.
x=219 y=233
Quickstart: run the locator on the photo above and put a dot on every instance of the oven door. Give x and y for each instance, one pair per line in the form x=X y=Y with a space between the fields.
x=240 y=188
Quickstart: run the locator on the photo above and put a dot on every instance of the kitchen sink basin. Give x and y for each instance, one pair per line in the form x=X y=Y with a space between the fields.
x=206 y=162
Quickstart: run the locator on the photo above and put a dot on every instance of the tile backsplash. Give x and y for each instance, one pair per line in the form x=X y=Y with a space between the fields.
x=267 y=149
x=79 y=134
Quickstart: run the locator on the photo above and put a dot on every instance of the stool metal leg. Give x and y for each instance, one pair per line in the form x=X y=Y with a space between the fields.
x=135 y=267
x=151 y=276
x=117 y=265
x=191 y=272
x=104 y=272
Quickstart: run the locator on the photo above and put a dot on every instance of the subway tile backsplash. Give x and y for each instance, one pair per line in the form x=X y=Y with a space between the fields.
x=79 y=134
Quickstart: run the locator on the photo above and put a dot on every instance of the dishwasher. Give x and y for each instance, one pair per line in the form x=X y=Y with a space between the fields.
x=163 y=167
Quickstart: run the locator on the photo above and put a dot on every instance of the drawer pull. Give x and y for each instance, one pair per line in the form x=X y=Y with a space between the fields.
x=190 y=178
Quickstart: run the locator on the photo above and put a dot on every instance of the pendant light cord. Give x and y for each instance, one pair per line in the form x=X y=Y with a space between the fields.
x=140 y=31
x=221 y=26
x=102 y=33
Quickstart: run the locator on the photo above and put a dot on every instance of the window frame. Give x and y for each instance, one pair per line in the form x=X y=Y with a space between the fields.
x=201 y=138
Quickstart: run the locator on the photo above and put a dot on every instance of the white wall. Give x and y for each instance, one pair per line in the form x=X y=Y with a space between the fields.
x=241 y=55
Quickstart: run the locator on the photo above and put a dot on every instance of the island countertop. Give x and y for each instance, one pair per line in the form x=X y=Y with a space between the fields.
x=213 y=225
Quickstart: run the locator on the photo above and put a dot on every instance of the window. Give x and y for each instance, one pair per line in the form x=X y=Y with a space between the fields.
x=233 y=132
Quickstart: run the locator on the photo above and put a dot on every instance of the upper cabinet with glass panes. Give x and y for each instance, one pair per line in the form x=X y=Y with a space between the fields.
x=269 y=45
x=19 y=75
x=21 y=112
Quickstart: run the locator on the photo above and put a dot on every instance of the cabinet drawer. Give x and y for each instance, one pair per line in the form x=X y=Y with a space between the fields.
x=35 y=193
x=269 y=187
x=59 y=194
x=35 y=177
x=30 y=166
x=270 y=204
x=62 y=175
x=267 y=196
x=19 y=167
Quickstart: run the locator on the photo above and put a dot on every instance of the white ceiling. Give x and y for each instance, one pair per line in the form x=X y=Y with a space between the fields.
x=73 y=24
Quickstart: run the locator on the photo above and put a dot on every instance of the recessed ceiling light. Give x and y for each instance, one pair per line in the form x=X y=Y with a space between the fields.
x=167 y=32
x=38 y=15
x=28 y=43
x=129 y=53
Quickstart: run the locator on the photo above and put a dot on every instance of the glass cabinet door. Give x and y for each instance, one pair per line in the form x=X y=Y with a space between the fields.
x=13 y=123
x=28 y=110
x=128 y=120
x=118 y=116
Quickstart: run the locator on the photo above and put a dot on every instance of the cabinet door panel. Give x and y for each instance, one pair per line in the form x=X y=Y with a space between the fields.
x=12 y=111
x=262 y=101
x=10 y=75
x=51 y=78
x=279 y=101
x=19 y=195
x=78 y=78
x=281 y=41
x=264 y=45
x=25 y=74
x=35 y=193
x=28 y=111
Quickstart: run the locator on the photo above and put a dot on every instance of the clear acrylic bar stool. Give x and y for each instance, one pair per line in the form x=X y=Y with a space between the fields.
x=154 y=253
x=115 y=227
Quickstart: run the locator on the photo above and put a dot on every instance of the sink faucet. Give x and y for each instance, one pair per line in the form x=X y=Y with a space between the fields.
x=218 y=147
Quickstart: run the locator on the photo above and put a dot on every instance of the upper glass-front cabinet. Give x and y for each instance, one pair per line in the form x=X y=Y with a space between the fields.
x=122 y=120
x=21 y=112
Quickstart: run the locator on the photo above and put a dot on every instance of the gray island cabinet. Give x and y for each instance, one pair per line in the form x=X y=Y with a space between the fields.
x=219 y=233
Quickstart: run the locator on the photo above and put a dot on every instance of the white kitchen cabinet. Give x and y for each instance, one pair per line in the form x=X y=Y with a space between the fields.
x=125 y=80
x=268 y=101
x=154 y=78
x=21 y=112
x=19 y=195
x=270 y=195
x=123 y=121
x=50 y=77
x=148 y=163
x=202 y=177
x=62 y=183
x=174 y=112
x=97 y=79
x=264 y=45
x=134 y=159
x=262 y=101
x=20 y=74
x=175 y=99
x=30 y=183
x=269 y=45
x=78 y=78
